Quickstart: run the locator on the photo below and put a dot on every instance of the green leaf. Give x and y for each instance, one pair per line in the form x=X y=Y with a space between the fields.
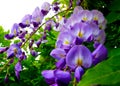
x=115 y=6
x=105 y=73
x=112 y=17
x=114 y=52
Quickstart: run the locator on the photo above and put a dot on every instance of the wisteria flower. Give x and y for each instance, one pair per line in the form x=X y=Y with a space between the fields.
x=14 y=32
x=26 y=21
x=45 y=8
x=65 y=40
x=18 y=68
x=37 y=17
x=82 y=31
x=99 y=54
x=57 y=77
x=79 y=57
x=14 y=50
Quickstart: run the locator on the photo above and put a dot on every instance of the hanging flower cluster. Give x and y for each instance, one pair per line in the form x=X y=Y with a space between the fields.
x=72 y=56
x=26 y=28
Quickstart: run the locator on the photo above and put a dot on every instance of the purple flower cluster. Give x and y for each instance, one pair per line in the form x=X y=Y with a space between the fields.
x=30 y=24
x=71 y=54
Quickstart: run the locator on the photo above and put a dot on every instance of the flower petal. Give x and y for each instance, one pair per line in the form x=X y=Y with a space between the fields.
x=58 y=53
x=99 y=54
x=62 y=77
x=78 y=73
x=49 y=76
x=79 y=55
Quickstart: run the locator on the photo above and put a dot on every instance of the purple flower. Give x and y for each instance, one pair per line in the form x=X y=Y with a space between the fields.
x=33 y=53
x=22 y=56
x=45 y=8
x=9 y=36
x=3 y=49
x=78 y=2
x=25 y=21
x=55 y=7
x=18 y=68
x=37 y=17
x=22 y=34
x=99 y=54
x=15 y=29
x=49 y=25
x=61 y=63
x=85 y=16
x=97 y=16
x=79 y=55
x=6 y=78
x=78 y=73
x=57 y=77
x=103 y=24
x=14 y=32
x=100 y=38
x=38 y=42
x=31 y=43
x=63 y=78
x=58 y=53
x=14 y=50
x=77 y=10
x=82 y=31
x=65 y=40
x=49 y=76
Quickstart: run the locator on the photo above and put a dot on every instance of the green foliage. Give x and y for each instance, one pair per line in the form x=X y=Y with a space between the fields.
x=113 y=16
x=3 y=42
x=104 y=73
x=115 y=5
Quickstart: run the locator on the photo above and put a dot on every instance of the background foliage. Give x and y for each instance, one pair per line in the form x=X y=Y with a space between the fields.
x=106 y=73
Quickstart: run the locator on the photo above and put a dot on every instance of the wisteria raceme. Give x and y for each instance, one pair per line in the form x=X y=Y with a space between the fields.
x=71 y=53
x=21 y=31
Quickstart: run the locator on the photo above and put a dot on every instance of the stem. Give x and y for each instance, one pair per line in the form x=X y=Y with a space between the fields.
x=4 y=66
x=74 y=82
x=43 y=24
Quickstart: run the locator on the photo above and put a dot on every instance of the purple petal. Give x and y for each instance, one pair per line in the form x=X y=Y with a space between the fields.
x=66 y=39
x=79 y=55
x=3 y=49
x=18 y=67
x=100 y=37
x=31 y=43
x=22 y=34
x=86 y=15
x=97 y=16
x=15 y=29
x=45 y=8
x=58 y=53
x=77 y=10
x=22 y=56
x=99 y=54
x=61 y=63
x=62 y=77
x=49 y=76
x=78 y=73
x=26 y=21
x=6 y=79
x=82 y=30
x=34 y=53
x=54 y=84
x=17 y=73
x=38 y=42
x=9 y=36
x=37 y=17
